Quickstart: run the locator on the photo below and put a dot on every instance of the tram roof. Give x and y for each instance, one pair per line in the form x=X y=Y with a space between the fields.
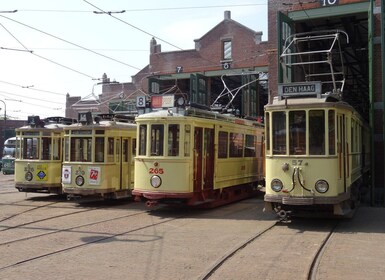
x=307 y=102
x=195 y=112
x=102 y=124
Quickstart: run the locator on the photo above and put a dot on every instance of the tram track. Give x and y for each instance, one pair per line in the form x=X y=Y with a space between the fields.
x=219 y=268
x=207 y=274
x=312 y=274
x=93 y=241
x=68 y=229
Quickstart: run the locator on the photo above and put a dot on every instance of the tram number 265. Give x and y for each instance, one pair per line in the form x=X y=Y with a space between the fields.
x=156 y=171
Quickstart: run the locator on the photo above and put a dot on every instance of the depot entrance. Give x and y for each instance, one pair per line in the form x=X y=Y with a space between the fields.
x=354 y=22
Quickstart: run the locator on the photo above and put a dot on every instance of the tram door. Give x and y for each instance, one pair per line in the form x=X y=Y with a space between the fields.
x=208 y=159
x=342 y=152
x=198 y=150
x=125 y=160
x=203 y=159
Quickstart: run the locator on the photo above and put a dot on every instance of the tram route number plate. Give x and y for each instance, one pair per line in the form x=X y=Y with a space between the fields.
x=298 y=89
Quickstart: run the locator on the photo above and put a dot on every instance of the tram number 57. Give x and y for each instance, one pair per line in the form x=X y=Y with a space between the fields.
x=329 y=2
x=297 y=162
x=156 y=171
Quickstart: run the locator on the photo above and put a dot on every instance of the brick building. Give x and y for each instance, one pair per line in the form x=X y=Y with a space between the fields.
x=230 y=59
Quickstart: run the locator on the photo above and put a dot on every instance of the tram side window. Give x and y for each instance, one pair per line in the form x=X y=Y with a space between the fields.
x=173 y=140
x=117 y=150
x=110 y=149
x=267 y=125
x=81 y=149
x=279 y=133
x=317 y=132
x=187 y=139
x=223 y=140
x=66 y=149
x=236 y=145
x=297 y=133
x=30 y=148
x=332 y=132
x=142 y=139
x=56 y=148
x=133 y=148
x=46 y=148
x=125 y=150
x=250 y=145
x=99 y=149
x=157 y=136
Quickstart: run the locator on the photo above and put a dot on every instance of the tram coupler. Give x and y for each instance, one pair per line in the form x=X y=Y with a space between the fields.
x=73 y=197
x=283 y=215
x=151 y=203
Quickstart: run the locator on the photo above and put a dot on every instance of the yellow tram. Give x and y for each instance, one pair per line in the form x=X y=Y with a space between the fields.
x=189 y=156
x=317 y=146
x=98 y=157
x=317 y=156
x=39 y=155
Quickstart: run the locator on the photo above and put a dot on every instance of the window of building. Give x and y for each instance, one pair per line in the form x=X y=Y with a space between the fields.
x=226 y=45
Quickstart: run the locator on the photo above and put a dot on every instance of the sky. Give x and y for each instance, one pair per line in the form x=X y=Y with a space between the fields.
x=49 y=48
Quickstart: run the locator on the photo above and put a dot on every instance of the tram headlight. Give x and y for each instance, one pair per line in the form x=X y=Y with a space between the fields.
x=79 y=181
x=28 y=176
x=155 y=181
x=322 y=186
x=276 y=185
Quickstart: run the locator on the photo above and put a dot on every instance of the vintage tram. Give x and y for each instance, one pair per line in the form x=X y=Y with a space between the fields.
x=317 y=145
x=39 y=154
x=194 y=157
x=98 y=157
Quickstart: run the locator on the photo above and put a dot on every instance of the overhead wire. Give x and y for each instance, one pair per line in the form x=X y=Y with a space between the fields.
x=149 y=9
x=133 y=26
x=71 y=43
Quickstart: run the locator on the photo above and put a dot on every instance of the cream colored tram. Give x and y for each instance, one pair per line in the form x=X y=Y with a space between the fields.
x=98 y=157
x=39 y=155
x=317 y=156
x=195 y=157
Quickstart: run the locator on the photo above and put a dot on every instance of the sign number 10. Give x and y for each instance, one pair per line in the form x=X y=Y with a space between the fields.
x=328 y=2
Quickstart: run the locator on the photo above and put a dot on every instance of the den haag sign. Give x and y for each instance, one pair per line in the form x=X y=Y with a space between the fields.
x=299 y=89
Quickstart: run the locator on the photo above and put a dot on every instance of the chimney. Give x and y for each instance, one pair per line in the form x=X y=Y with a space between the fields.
x=227 y=15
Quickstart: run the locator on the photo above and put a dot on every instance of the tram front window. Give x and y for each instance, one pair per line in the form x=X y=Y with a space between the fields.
x=173 y=140
x=46 y=148
x=81 y=149
x=297 y=134
x=99 y=149
x=279 y=133
x=317 y=132
x=142 y=140
x=157 y=136
x=30 y=148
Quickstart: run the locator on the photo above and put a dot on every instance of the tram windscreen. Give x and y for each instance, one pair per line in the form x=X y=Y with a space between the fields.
x=297 y=133
x=30 y=147
x=142 y=140
x=81 y=149
x=173 y=140
x=157 y=139
x=317 y=132
x=279 y=133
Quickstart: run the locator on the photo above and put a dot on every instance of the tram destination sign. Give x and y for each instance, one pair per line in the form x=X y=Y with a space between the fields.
x=299 y=89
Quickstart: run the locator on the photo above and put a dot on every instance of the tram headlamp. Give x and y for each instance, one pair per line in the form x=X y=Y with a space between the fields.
x=276 y=185
x=322 y=186
x=28 y=176
x=79 y=180
x=155 y=181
